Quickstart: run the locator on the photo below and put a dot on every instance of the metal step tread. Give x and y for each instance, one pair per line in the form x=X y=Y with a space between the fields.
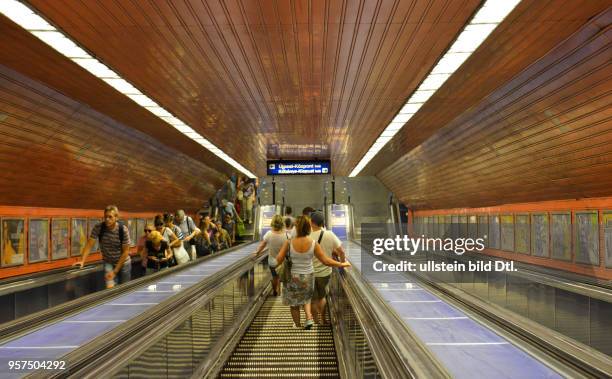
x=271 y=347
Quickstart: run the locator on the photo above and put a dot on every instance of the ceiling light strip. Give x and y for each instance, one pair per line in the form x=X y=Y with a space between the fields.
x=491 y=14
x=39 y=27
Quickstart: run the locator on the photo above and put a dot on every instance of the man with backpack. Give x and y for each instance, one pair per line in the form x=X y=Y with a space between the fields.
x=114 y=240
x=331 y=245
x=189 y=230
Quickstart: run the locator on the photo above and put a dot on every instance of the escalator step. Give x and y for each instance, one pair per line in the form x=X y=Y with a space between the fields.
x=280 y=375
x=271 y=347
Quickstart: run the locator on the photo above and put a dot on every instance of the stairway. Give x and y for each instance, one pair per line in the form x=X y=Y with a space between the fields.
x=271 y=347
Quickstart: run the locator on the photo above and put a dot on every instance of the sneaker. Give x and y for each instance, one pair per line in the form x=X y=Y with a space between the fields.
x=297 y=326
x=308 y=324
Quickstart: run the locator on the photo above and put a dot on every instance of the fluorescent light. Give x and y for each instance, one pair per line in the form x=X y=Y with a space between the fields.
x=60 y=43
x=172 y=120
x=389 y=133
x=471 y=37
x=394 y=126
x=184 y=128
x=411 y=108
x=450 y=62
x=433 y=82
x=402 y=118
x=122 y=86
x=142 y=100
x=159 y=111
x=494 y=11
x=421 y=96
x=25 y=17
x=95 y=67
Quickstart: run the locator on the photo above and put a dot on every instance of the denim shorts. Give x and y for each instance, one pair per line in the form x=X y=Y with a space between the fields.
x=124 y=275
x=273 y=271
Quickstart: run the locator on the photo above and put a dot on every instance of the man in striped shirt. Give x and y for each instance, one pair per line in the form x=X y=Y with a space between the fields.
x=115 y=248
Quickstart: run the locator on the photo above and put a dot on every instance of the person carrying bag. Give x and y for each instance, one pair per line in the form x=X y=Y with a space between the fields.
x=284 y=270
x=181 y=255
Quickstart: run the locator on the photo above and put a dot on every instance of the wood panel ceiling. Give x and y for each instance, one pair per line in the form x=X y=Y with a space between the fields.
x=247 y=74
x=546 y=134
x=528 y=33
x=28 y=55
x=261 y=76
x=57 y=152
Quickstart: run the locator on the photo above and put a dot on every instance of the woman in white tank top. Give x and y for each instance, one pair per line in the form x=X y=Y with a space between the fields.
x=298 y=291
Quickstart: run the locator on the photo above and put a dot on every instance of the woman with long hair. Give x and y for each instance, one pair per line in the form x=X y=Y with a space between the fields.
x=299 y=288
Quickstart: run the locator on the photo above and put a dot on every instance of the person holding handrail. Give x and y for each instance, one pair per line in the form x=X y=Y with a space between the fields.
x=298 y=289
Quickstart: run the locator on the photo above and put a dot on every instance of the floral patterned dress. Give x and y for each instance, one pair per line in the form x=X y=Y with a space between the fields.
x=299 y=290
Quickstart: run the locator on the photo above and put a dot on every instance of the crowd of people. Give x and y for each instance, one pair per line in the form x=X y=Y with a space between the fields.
x=174 y=238
x=301 y=253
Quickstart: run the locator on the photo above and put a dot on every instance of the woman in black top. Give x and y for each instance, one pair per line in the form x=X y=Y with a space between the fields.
x=157 y=251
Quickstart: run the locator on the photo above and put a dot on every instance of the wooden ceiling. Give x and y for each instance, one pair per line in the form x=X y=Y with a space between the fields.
x=247 y=74
x=57 y=152
x=260 y=77
x=545 y=134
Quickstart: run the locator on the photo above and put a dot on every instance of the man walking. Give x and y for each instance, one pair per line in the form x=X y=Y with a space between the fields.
x=330 y=244
x=189 y=230
x=114 y=241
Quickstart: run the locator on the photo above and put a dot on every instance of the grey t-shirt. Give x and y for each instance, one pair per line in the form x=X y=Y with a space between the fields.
x=110 y=245
x=274 y=242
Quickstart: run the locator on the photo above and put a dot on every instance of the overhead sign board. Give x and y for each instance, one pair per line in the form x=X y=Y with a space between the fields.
x=299 y=167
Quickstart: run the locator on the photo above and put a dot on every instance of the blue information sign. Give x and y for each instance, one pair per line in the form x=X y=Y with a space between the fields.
x=299 y=167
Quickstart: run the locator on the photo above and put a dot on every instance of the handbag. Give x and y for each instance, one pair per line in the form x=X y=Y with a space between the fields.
x=181 y=255
x=240 y=230
x=285 y=274
x=202 y=247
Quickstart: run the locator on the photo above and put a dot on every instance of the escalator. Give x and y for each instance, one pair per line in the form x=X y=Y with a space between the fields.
x=271 y=346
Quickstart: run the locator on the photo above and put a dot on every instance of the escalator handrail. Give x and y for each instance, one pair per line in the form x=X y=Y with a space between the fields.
x=594 y=288
x=38 y=279
x=110 y=352
x=27 y=324
x=398 y=352
x=572 y=357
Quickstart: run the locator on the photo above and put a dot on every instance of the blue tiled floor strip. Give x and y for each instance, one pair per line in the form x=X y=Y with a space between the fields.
x=62 y=337
x=465 y=347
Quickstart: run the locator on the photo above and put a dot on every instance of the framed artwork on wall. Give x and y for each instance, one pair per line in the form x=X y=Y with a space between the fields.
x=13 y=241
x=60 y=238
x=38 y=240
x=78 y=238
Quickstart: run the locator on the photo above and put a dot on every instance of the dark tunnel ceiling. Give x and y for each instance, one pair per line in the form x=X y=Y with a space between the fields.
x=252 y=75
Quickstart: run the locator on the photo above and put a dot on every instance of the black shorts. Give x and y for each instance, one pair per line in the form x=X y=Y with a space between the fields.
x=321 y=287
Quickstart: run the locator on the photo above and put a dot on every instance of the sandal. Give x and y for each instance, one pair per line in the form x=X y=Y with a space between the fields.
x=308 y=325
